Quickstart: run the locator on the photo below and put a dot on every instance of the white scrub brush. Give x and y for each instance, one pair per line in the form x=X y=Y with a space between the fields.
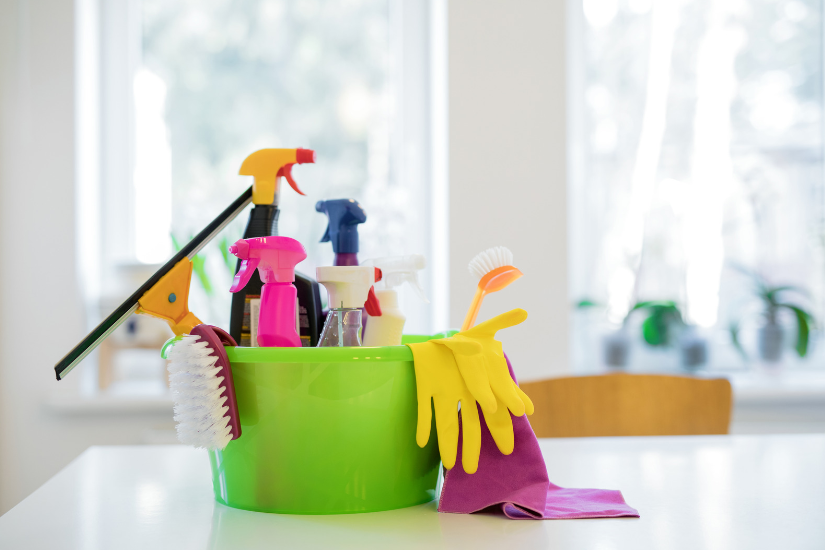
x=200 y=378
x=494 y=269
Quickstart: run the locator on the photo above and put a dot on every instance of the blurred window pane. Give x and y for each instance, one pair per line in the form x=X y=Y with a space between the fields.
x=700 y=127
x=193 y=87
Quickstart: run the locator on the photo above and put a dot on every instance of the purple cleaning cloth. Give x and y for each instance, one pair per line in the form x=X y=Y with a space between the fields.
x=517 y=485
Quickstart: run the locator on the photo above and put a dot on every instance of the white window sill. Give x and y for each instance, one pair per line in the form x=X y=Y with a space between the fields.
x=782 y=387
x=112 y=404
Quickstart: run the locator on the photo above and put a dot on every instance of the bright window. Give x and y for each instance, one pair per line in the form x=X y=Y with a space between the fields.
x=190 y=88
x=698 y=157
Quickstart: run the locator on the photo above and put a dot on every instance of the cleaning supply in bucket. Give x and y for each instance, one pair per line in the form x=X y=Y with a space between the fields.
x=343 y=218
x=494 y=270
x=518 y=486
x=487 y=375
x=200 y=378
x=164 y=295
x=386 y=329
x=350 y=288
x=268 y=166
x=439 y=386
x=464 y=368
x=275 y=259
x=505 y=471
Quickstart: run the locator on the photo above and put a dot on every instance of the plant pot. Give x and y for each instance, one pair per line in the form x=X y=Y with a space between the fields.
x=616 y=349
x=694 y=351
x=771 y=337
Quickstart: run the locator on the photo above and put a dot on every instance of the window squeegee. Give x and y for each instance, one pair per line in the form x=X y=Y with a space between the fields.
x=166 y=293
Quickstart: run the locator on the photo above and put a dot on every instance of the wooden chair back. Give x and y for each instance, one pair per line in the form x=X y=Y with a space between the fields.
x=629 y=404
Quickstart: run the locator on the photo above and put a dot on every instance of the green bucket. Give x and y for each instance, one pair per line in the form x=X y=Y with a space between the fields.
x=325 y=431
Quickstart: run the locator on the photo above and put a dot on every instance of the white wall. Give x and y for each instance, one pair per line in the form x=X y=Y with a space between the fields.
x=507 y=168
x=40 y=306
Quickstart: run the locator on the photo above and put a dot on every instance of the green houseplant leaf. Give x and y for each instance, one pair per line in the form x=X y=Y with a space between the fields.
x=803 y=323
x=663 y=319
x=733 y=329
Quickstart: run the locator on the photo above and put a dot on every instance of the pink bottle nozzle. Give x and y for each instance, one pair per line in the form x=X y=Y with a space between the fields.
x=240 y=249
x=275 y=259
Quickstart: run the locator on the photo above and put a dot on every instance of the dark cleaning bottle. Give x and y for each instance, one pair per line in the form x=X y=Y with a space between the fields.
x=268 y=166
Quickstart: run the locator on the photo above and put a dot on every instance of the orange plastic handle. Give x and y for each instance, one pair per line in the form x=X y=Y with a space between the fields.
x=472 y=313
x=169 y=299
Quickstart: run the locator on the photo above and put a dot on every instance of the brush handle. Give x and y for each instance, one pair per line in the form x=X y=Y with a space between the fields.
x=472 y=313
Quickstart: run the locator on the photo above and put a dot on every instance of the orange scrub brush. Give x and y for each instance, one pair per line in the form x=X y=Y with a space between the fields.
x=494 y=269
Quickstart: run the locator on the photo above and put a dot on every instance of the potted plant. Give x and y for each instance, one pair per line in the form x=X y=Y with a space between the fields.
x=771 y=335
x=663 y=327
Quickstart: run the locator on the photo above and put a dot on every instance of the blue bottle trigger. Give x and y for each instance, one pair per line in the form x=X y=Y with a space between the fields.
x=344 y=216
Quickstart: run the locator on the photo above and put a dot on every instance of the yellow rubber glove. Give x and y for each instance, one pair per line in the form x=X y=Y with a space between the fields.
x=438 y=379
x=486 y=373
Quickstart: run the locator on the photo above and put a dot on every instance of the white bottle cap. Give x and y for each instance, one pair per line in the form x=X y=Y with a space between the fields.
x=348 y=286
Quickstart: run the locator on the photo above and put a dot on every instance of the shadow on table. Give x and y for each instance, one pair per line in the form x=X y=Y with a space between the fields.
x=416 y=527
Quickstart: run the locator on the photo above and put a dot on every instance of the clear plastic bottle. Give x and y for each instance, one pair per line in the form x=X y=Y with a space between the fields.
x=342 y=328
x=349 y=290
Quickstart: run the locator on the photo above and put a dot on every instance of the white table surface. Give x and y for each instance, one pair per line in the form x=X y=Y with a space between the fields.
x=714 y=492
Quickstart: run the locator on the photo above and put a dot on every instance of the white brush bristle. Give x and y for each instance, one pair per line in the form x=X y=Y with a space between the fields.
x=489 y=260
x=200 y=414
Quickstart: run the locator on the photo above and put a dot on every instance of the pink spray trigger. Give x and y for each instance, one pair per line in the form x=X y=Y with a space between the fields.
x=244 y=273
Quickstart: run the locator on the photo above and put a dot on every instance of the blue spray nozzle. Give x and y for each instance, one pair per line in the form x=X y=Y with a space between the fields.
x=344 y=216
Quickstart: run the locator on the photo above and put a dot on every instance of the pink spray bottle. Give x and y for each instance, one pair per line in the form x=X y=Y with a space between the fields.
x=275 y=259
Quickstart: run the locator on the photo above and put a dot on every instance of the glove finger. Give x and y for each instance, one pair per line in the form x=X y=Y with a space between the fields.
x=528 y=403
x=491 y=326
x=425 y=419
x=503 y=386
x=446 y=426
x=476 y=378
x=501 y=428
x=471 y=433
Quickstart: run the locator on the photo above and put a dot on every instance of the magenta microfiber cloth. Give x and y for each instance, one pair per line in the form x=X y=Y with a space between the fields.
x=517 y=484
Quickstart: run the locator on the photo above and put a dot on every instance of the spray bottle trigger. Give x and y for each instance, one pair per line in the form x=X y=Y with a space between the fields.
x=243 y=275
x=372 y=305
x=325 y=238
x=286 y=171
x=413 y=280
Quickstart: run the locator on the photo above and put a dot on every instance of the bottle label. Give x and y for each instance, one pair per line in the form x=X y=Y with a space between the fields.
x=246 y=325
x=303 y=326
x=254 y=315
